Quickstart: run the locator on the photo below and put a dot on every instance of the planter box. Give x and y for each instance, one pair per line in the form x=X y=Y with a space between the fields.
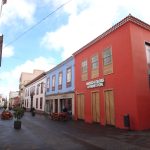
x=17 y=124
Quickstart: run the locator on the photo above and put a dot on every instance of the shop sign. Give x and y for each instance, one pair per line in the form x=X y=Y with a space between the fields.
x=95 y=83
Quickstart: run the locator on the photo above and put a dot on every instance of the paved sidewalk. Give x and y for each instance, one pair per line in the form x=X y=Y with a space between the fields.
x=41 y=133
x=110 y=138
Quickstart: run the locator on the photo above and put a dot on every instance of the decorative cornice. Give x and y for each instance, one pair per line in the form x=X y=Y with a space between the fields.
x=61 y=64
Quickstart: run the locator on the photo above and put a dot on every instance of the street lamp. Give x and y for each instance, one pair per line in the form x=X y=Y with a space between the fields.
x=1 y=36
x=1 y=46
x=31 y=95
x=2 y=3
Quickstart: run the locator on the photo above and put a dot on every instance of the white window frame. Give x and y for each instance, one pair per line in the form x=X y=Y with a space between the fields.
x=60 y=77
x=69 y=74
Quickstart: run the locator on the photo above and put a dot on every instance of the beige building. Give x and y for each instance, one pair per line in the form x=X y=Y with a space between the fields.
x=2 y=102
x=26 y=78
x=14 y=99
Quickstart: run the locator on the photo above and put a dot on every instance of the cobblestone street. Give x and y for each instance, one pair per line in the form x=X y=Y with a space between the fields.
x=41 y=133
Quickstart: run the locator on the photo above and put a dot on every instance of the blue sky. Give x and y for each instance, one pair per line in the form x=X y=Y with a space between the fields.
x=58 y=36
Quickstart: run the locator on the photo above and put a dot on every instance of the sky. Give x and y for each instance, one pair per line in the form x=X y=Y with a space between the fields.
x=39 y=34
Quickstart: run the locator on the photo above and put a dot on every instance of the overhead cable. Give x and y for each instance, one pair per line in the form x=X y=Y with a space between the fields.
x=39 y=22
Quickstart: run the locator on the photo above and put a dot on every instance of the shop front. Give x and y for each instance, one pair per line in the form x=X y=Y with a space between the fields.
x=56 y=103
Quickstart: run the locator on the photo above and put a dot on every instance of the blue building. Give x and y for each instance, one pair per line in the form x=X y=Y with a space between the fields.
x=60 y=87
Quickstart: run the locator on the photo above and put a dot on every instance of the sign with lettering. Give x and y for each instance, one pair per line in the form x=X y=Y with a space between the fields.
x=95 y=83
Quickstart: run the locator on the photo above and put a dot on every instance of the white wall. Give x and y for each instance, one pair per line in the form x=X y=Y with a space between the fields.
x=36 y=83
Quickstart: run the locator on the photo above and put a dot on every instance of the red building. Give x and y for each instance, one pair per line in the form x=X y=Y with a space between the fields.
x=112 y=76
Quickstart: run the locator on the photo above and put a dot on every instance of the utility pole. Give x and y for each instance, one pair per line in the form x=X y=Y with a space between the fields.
x=1 y=8
x=1 y=47
x=1 y=36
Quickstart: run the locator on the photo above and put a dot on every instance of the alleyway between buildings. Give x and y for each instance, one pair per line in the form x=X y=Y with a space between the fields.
x=41 y=133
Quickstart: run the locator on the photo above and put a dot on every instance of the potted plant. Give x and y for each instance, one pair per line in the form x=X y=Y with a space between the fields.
x=18 y=113
x=6 y=115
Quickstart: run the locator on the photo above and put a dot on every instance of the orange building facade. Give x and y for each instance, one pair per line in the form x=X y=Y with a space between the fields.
x=112 y=77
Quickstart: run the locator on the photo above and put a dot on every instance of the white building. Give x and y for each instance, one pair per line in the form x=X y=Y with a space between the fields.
x=26 y=78
x=34 y=94
x=2 y=101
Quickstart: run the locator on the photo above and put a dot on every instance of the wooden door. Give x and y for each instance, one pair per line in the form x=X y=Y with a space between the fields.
x=109 y=107
x=51 y=106
x=56 y=106
x=95 y=107
x=80 y=106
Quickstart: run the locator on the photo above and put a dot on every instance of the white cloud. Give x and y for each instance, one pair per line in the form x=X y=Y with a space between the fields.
x=10 y=80
x=138 y=8
x=18 y=9
x=8 y=51
x=83 y=26
x=88 y=19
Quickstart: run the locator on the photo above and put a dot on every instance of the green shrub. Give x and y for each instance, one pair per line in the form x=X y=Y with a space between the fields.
x=18 y=112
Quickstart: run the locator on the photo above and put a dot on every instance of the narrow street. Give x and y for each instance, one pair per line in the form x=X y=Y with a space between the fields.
x=41 y=133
